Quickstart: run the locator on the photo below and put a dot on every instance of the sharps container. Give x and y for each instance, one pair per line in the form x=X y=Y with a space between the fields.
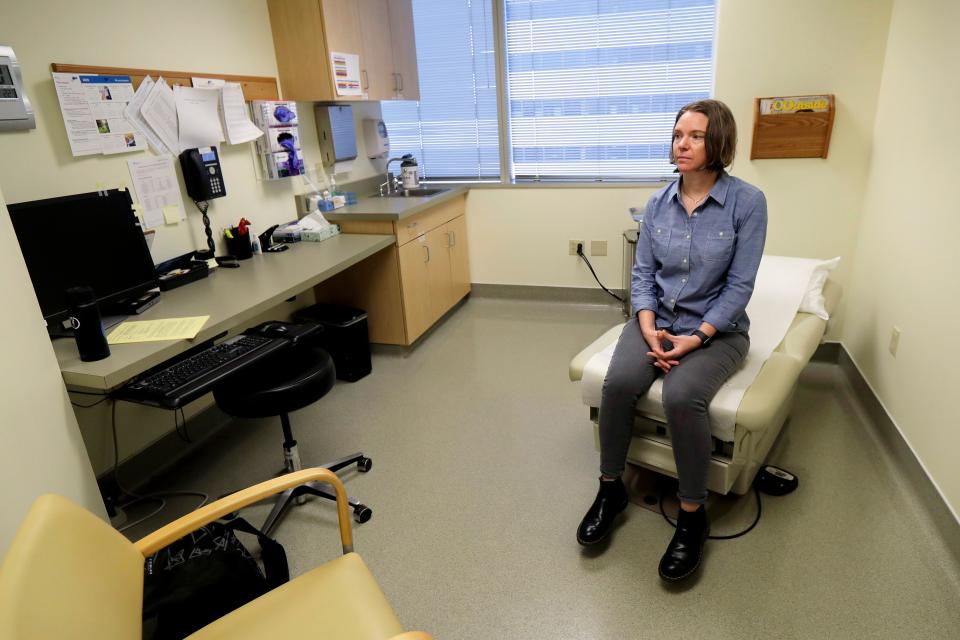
x=344 y=337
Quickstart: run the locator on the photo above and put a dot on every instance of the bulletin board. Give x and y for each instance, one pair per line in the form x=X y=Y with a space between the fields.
x=792 y=126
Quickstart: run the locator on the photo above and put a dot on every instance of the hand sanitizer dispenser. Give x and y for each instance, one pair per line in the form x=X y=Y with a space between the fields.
x=375 y=138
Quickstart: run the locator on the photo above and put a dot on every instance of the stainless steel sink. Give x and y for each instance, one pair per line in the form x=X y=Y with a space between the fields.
x=410 y=193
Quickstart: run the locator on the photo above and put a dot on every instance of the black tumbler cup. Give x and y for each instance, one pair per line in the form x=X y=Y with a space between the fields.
x=85 y=319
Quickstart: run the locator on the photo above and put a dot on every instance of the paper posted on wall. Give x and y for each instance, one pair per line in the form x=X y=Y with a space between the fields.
x=93 y=109
x=198 y=116
x=159 y=110
x=155 y=183
x=135 y=118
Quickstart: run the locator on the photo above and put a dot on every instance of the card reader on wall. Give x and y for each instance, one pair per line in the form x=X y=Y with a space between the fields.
x=337 y=134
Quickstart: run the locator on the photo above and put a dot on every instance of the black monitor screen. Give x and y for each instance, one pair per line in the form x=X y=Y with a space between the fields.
x=92 y=239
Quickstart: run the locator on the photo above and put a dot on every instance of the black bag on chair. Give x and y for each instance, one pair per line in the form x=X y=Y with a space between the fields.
x=205 y=575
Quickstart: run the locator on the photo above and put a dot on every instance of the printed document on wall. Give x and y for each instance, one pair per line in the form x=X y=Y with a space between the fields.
x=159 y=110
x=155 y=183
x=199 y=117
x=135 y=118
x=236 y=116
x=93 y=112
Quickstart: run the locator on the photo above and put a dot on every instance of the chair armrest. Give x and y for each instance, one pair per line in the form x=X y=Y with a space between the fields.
x=412 y=635
x=180 y=527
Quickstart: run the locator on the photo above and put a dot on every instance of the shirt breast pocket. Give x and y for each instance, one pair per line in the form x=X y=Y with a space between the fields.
x=717 y=246
x=660 y=238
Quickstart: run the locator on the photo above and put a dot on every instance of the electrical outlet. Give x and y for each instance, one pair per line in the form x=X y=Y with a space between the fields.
x=598 y=247
x=573 y=246
x=894 y=341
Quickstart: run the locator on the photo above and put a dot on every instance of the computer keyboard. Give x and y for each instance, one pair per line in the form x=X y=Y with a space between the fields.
x=186 y=380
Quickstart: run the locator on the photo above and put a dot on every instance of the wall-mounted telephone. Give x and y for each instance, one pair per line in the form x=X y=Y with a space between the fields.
x=201 y=173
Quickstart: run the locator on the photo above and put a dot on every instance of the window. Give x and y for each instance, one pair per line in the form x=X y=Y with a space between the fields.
x=593 y=86
x=452 y=130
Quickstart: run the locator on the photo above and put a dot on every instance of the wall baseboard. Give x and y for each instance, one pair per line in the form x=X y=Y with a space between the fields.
x=891 y=438
x=582 y=295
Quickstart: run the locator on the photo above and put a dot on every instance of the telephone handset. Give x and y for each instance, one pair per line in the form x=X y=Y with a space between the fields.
x=201 y=173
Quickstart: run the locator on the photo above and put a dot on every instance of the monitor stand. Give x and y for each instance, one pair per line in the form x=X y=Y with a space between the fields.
x=131 y=306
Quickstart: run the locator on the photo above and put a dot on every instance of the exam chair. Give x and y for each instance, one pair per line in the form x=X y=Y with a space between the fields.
x=69 y=574
x=761 y=415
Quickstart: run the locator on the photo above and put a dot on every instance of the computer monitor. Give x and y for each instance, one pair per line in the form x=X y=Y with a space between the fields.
x=91 y=239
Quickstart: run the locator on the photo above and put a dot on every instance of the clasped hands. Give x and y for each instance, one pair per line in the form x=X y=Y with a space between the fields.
x=665 y=360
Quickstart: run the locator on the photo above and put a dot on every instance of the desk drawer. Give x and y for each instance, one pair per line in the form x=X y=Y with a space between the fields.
x=409 y=228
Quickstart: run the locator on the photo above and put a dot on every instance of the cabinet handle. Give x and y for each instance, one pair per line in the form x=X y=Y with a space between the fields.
x=366 y=79
x=400 y=77
x=453 y=234
x=396 y=84
x=428 y=253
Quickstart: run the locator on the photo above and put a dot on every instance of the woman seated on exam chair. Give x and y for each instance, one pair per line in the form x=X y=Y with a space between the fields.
x=698 y=252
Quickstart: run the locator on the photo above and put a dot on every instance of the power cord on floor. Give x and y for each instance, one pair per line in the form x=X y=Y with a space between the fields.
x=138 y=498
x=730 y=537
x=590 y=266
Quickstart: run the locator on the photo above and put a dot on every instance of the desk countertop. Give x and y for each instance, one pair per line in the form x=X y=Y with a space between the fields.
x=374 y=209
x=229 y=296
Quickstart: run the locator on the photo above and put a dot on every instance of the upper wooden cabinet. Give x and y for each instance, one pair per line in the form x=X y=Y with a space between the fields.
x=380 y=32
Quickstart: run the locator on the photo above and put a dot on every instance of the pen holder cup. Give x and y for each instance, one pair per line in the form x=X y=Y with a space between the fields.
x=239 y=245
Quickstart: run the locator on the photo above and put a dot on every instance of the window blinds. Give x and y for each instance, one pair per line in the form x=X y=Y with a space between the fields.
x=595 y=85
x=452 y=130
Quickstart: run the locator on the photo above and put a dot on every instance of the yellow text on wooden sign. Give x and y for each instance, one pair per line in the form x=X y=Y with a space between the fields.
x=793 y=104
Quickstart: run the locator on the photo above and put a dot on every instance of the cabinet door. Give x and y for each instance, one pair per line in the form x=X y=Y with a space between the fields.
x=415 y=259
x=407 y=82
x=456 y=237
x=341 y=22
x=376 y=69
x=303 y=62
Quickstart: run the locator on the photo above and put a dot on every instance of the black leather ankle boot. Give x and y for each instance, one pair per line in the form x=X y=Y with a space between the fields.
x=596 y=525
x=685 y=550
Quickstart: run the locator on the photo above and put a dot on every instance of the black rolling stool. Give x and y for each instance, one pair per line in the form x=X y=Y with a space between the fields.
x=285 y=381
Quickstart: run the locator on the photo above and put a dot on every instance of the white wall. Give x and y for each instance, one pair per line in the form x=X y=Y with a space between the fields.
x=764 y=48
x=905 y=268
x=208 y=37
x=41 y=450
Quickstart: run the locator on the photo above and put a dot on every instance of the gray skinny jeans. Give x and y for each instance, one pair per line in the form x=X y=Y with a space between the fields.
x=687 y=391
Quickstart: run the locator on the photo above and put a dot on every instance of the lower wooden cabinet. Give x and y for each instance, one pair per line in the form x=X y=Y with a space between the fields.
x=406 y=288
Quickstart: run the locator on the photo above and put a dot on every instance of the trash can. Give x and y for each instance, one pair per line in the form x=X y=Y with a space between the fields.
x=344 y=337
x=629 y=255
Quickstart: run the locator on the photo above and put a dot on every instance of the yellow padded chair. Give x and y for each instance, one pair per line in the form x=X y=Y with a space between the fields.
x=68 y=574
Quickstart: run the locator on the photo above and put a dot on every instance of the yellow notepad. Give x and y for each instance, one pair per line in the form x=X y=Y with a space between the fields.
x=157 y=330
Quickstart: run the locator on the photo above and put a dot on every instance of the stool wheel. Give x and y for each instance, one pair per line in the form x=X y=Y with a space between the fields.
x=364 y=464
x=362 y=513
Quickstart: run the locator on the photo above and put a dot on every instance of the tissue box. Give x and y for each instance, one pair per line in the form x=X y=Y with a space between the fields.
x=318 y=235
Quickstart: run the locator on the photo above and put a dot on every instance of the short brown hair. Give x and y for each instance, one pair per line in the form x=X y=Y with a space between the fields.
x=721 y=142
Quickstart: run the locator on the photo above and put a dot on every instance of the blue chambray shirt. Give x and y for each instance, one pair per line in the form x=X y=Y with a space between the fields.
x=691 y=269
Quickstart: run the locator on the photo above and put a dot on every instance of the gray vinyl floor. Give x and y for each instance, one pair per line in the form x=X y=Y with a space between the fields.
x=484 y=464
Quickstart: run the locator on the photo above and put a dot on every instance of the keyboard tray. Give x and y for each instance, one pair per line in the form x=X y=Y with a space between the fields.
x=174 y=384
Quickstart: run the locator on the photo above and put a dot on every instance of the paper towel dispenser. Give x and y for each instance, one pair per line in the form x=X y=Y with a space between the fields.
x=338 y=137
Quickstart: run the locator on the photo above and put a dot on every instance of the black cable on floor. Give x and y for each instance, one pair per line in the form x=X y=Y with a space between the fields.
x=582 y=255
x=150 y=496
x=730 y=537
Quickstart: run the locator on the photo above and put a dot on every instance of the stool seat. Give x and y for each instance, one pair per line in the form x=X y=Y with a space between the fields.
x=288 y=380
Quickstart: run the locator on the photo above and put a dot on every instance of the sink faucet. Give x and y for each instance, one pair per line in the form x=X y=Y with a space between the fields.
x=393 y=182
